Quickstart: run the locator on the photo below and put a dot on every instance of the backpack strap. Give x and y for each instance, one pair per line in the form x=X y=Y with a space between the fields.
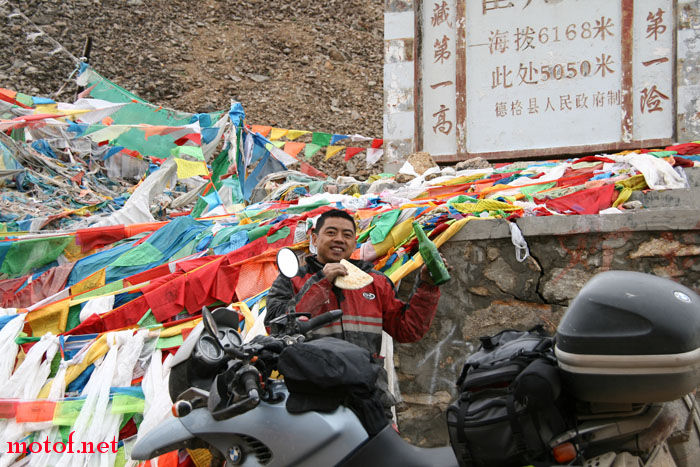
x=461 y=414
x=517 y=428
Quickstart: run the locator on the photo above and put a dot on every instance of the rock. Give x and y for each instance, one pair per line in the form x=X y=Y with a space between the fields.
x=664 y=247
x=474 y=163
x=492 y=253
x=421 y=161
x=480 y=291
x=511 y=314
x=382 y=185
x=562 y=285
x=502 y=275
x=258 y=78
x=404 y=178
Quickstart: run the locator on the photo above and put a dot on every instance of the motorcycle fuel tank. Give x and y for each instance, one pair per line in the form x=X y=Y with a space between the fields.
x=630 y=337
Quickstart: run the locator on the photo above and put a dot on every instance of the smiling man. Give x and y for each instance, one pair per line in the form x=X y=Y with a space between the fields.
x=366 y=311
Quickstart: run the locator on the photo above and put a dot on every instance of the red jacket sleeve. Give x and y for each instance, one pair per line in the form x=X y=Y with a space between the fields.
x=408 y=322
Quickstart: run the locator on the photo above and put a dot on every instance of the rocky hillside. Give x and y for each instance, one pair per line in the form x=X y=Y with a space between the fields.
x=308 y=65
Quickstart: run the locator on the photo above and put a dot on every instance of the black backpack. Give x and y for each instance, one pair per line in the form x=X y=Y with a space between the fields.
x=509 y=406
x=323 y=373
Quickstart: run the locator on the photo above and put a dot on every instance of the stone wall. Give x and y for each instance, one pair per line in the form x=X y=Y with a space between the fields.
x=491 y=291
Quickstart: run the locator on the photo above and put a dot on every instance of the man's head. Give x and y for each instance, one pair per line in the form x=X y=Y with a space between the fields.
x=334 y=236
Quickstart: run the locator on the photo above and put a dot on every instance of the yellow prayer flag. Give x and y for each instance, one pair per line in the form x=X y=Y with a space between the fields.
x=277 y=133
x=294 y=134
x=177 y=330
x=74 y=252
x=464 y=179
x=332 y=151
x=108 y=133
x=396 y=235
x=96 y=350
x=93 y=281
x=187 y=169
x=245 y=311
x=46 y=109
x=50 y=318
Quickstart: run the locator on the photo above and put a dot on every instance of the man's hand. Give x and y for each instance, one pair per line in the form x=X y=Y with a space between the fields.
x=333 y=270
x=425 y=275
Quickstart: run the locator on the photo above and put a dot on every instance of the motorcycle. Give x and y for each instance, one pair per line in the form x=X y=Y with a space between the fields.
x=630 y=409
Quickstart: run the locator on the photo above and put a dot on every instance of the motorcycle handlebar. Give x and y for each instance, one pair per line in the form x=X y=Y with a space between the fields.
x=250 y=382
x=319 y=321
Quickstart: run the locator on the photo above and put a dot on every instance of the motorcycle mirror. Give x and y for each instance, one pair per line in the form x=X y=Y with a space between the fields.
x=287 y=262
x=210 y=324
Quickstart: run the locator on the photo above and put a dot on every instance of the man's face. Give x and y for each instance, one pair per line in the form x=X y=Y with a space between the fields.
x=335 y=240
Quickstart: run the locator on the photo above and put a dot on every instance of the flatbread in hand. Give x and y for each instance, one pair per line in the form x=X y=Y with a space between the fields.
x=355 y=279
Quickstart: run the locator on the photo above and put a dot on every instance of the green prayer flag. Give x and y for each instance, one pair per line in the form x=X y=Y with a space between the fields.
x=192 y=151
x=461 y=199
x=143 y=254
x=662 y=153
x=123 y=403
x=25 y=255
x=120 y=460
x=279 y=235
x=321 y=139
x=65 y=430
x=169 y=342
x=55 y=363
x=310 y=149
x=147 y=320
x=138 y=110
x=306 y=207
x=19 y=340
x=363 y=236
x=383 y=225
x=73 y=317
x=66 y=412
x=104 y=290
x=24 y=99
x=258 y=232
x=529 y=190
x=394 y=266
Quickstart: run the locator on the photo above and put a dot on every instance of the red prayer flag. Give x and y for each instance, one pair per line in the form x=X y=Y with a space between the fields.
x=8 y=408
x=590 y=201
x=196 y=138
x=167 y=300
x=96 y=237
x=35 y=411
x=198 y=285
x=225 y=283
x=350 y=152
x=307 y=169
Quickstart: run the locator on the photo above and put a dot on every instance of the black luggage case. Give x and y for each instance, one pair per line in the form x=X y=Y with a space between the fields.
x=630 y=337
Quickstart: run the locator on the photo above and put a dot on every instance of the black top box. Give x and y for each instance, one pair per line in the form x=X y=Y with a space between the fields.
x=630 y=337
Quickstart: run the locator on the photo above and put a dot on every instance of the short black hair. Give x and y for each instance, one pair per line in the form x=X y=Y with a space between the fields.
x=334 y=213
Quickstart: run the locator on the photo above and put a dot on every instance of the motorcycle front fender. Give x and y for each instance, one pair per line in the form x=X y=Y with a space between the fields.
x=168 y=436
